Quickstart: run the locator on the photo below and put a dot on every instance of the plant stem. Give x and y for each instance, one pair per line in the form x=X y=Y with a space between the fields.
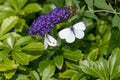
x=107 y=11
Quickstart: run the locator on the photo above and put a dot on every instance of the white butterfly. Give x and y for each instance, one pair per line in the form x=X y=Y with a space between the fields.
x=49 y=40
x=69 y=34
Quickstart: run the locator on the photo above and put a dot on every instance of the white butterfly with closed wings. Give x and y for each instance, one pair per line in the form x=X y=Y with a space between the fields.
x=49 y=40
x=69 y=34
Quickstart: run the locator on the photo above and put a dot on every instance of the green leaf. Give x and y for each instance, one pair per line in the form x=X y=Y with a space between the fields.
x=34 y=56
x=3 y=54
x=22 y=68
x=8 y=24
x=76 y=2
x=84 y=78
x=114 y=41
x=73 y=18
x=22 y=77
x=89 y=67
x=73 y=66
x=91 y=37
x=34 y=75
x=103 y=68
x=58 y=3
x=43 y=64
x=34 y=46
x=69 y=2
x=21 y=3
x=103 y=48
x=7 y=64
x=102 y=5
x=73 y=55
x=68 y=74
x=59 y=61
x=2 y=46
x=9 y=74
x=89 y=3
x=6 y=14
x=93 y=54
x=1 y=78
x=20 y=25
x=99 y=69
x=14 y=34
x=33 y=7
x=23 y=41
x=102 y=27
x=116 y=21
x=53 y=79
x=11 y=41
x=107 y=35
x=21 y=58
x=82 y=10
x=46 y=8
x=77 y=76
x=114 y=63
x=14 y=4
x=91 y=15
x=48 y=72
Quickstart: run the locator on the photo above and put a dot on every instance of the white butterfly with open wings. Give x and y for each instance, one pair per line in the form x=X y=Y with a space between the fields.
x=76 y=31
x=49 y=40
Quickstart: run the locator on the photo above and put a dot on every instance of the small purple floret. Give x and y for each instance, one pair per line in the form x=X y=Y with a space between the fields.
x=44 y=24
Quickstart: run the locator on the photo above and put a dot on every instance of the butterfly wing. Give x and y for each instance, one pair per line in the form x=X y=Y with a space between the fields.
x=51 y=41
x=62 y=34
x=67 y=34
x=79 y=30
x=79 y=26
x=79 y=34
x=45 y=43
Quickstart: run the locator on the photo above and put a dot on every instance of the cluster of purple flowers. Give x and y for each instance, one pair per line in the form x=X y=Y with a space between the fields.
x=43 y=24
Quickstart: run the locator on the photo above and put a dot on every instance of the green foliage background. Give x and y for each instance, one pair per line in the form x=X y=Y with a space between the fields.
x=95 y=57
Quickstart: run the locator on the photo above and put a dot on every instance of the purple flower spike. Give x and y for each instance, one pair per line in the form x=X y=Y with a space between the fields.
x=44 y=24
